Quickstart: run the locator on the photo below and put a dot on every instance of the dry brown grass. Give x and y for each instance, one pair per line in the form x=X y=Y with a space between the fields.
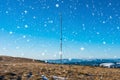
x=11 y=70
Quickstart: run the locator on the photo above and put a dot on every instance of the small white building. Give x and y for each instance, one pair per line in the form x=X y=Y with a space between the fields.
x=108 y=65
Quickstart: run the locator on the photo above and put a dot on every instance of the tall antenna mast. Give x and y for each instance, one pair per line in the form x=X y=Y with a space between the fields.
x=61 y=37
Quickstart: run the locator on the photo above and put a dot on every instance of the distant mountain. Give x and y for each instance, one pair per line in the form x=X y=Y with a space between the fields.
x=84 y=62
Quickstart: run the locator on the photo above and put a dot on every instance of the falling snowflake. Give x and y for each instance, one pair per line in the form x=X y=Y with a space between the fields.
x=115 y=56
x=87 y=5
x=18 y=27
x=34 y=17
x=110 y=17
x=83 y=25
x=45 y=25
x=17 y=47
x=24 y=36
x=10 y=32
x=57 y=5
x=28 y=40
x=84 y=28
x=6 y=12
x=60 y=53
x=98 y=33
x=103 y=22
x=82 y=48
x=4 y=48
x=70 y=59
x=104 y=42
x=22 y=54
x=25 y=11
x=50 y=21
x=2 y=29
x=75 y=8
x=43 y=54
x=26 y=26
x=110 y=4
x=93 y=14
x=118 y=28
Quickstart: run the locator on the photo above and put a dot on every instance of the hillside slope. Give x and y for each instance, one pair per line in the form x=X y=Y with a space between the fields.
x=14 y=59
x=12 y=68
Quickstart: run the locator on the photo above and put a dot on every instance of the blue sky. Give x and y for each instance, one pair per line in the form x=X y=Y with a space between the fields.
x=31 y=28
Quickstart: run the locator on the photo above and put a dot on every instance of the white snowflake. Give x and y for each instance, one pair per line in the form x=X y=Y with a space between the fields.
x=82 y=48
x=83 y=25
x=75 y=8
x=57 y=5
x=25 y=11
x=17 y=47
x=115 y=56
x=18 y=27
x=6 y=12
x=43 y=54
x=112 y=43
x=110 y=17
x=89 y=41
x=22 y=54
x=31 y=7
x=62 y=1
x=2 y=29
x=70 y=59
x=28 y=40
x=60 y=53
x=50 y=21
x=10 y=32
x=118 y=28
x=103 y=22
x=87 y=5
x=26 y=26
x=4 y=48
x=97 y=33
x=84 y=28
x=65 y=39
x=43 y=7
x=93 y=14
x=24 y=36
x=48 y=7
x=34 y=17
x=104 y=42
x=45 y=25
x=109 y=4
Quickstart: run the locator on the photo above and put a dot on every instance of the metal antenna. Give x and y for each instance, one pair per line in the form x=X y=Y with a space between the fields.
x=61 y=37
